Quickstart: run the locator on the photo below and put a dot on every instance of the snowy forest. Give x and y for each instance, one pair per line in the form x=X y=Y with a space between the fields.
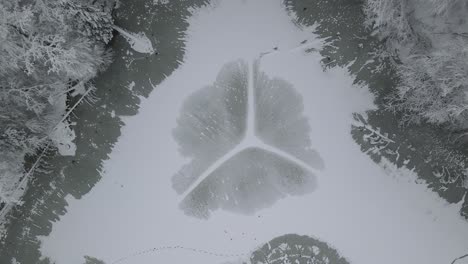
x=429 y=42
x=52 y=52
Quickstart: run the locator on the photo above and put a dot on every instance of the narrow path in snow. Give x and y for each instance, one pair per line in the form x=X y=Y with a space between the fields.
x=156 y=250
x=250 y=129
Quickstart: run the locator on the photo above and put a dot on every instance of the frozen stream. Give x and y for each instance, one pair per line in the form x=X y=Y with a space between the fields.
x=247 y=140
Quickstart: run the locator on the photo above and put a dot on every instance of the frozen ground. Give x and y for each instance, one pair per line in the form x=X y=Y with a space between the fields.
x=233 y=150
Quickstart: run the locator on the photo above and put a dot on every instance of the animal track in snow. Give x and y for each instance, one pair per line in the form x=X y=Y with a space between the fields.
x=248 y=141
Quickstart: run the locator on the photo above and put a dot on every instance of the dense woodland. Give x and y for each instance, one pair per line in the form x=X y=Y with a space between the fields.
x=429 y=39
x=49 y=50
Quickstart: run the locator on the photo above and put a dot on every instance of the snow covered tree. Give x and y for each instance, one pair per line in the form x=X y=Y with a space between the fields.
x=390 y=19
x=93 y=18
x=441 y=7
x=46 y=57
x=429 y=38
x=434 y=87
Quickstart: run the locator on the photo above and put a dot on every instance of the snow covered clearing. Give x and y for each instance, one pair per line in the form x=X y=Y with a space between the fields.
x=368 y=212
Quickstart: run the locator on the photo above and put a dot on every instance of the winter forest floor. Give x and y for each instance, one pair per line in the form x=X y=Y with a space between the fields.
x=379 y=185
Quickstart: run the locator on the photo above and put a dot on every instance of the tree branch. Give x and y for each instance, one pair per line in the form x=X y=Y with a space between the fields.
x=18 y=30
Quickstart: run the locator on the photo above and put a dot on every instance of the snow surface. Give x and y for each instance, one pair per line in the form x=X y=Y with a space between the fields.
x=370 y=213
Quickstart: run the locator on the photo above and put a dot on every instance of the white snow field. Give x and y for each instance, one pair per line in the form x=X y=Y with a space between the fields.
x=332 y=191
